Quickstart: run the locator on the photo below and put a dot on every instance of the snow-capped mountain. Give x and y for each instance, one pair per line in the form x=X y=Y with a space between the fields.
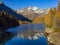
x=33 y=12
x=34 y=9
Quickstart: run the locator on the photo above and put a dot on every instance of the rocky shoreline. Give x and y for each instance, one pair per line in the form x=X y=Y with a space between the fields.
x=52 y=36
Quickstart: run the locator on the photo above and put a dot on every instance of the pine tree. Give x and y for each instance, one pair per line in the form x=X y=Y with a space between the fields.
x=54 y=11
x=48 y=18
x=56 y=21
x=58 y=10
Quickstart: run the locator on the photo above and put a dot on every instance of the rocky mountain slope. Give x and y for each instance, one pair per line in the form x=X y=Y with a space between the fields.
x=10 y=11
x=33 y=12
x=7 y=21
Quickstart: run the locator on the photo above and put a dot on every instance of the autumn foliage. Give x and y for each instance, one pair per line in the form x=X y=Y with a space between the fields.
x=52 y=19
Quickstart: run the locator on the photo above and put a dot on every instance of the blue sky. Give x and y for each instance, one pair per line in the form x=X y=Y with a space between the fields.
x=18 y=4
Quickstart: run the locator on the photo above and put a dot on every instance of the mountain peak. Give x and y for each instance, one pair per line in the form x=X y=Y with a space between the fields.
x=33 y=8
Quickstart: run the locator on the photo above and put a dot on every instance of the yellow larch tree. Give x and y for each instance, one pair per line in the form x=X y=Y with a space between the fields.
x=48 y=18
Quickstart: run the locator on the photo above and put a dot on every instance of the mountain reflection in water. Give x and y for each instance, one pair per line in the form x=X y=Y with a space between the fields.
x=20 y=41
x=25 y=29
